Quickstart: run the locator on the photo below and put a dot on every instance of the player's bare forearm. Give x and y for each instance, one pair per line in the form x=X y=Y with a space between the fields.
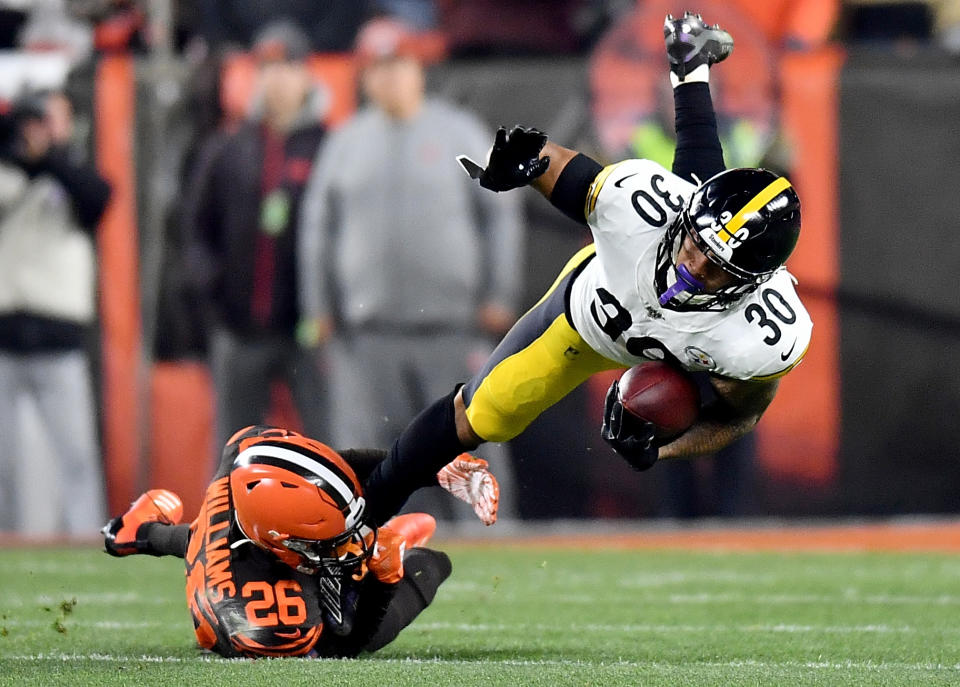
x=705 y=437
x=559 y=157
x=740 y=406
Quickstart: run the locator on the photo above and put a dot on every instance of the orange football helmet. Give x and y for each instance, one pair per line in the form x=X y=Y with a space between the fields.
x=298 y=499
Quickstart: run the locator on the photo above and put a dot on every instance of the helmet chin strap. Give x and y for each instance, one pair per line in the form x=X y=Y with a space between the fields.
x=685 y=282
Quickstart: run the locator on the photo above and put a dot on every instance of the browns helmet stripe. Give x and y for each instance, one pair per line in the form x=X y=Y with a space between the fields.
x=308 y=474
x=313 y=454
x=295 y=461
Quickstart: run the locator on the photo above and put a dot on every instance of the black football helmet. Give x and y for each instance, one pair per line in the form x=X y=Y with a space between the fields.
x=746 y=221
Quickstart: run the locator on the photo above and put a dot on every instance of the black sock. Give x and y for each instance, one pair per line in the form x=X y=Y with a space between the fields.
x=164 y=540
x=427 y=444
x=363 y=460
x=698 y=148
x=423 y=572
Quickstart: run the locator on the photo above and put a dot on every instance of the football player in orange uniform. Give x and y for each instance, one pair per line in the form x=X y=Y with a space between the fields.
x=279 y=561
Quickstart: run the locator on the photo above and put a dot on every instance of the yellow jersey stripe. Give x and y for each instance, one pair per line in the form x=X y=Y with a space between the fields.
x=775 y=375
x=595 y=189
x=571 y=265
x=758 y=201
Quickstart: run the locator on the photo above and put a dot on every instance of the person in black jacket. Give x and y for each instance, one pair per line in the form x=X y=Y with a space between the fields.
x=50 y=206
x=240 y=220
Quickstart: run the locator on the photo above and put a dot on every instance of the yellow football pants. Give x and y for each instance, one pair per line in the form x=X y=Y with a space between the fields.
x=540 y=360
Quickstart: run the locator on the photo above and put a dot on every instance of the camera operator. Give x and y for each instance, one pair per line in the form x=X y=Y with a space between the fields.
x=50 y=206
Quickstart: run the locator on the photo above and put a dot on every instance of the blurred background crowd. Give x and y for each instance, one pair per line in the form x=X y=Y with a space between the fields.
x=215 y=213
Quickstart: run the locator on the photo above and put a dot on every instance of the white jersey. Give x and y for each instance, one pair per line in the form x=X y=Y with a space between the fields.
x=614 y=304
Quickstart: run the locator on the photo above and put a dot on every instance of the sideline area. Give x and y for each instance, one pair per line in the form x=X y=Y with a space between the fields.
x=917 y=534
x=902 y=534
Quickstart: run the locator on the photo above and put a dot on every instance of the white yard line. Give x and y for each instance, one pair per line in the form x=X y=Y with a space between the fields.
x=850 y=597
x=467 y=589
x=72 y=624
x=525 y=628
x=807 y=665
x=86 y=598
x=47 y=568
x=631 y=627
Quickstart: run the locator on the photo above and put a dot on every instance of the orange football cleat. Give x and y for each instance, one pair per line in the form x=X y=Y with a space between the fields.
x=156 y=505
x=416 y=528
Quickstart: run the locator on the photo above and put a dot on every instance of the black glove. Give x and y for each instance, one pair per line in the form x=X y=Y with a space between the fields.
x=629 y=436
x=515 y=159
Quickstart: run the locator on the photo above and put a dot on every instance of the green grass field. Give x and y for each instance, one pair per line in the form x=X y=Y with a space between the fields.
x=522 y=617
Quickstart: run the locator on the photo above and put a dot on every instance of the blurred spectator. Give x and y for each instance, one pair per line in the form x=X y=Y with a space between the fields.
x=330 y=25
x=240 y=220
x=633 y=103
x=118 y=25
x=50 y=206
x=51 y=25
x=947 y=25
x=512 y=27
x=887 y=21
x=790 y=24
x=123 y=27
x=419 y=15
x=13 y=15
x=406 y=263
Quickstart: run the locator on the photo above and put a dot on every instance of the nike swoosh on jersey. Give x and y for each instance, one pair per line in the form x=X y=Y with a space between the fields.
x=786 y=356
x=289 y=635
x=620 y=181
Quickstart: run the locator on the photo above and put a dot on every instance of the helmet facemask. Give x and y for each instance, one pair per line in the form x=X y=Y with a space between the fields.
x=677 y=289
x=339 y=556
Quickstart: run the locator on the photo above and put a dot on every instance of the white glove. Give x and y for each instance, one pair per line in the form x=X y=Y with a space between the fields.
x=469 y=480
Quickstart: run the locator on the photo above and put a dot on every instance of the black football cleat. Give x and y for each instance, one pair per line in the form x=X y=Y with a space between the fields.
x=691 y=43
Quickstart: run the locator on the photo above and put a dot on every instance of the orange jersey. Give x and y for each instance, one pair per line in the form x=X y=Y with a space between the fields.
x=244 y=601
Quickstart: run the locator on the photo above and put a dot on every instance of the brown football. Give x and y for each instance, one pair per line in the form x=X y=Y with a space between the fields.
x=660 y=393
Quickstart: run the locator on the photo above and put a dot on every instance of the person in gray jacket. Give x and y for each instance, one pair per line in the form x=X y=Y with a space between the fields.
x=407 y=270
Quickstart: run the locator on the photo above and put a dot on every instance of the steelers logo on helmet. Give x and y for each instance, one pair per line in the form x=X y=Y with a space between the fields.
x=746 y=221
x=298 y=499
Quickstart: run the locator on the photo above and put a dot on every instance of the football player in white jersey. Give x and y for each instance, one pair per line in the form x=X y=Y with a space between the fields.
x=679 y=270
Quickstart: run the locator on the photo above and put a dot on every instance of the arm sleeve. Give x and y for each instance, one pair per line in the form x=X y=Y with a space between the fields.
x=570 y=192
x=698 y=152
x=313 y=235
x=363 y=460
